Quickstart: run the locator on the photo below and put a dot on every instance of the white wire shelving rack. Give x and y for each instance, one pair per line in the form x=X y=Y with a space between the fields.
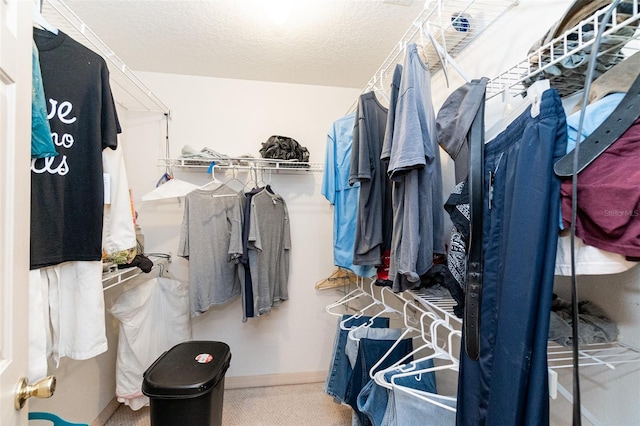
x=128 y=91
x=243 y=164
x=541 y=62
x=444 y=28
x=114 y=277
x=441 y=306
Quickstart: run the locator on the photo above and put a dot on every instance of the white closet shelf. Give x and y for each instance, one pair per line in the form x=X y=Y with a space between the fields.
x=598 y=354
x=441 y=306
x=128 y=90
x=453 y=25
x=601 y=354
x=114 y=277
x=241 y=163
x=562 y=48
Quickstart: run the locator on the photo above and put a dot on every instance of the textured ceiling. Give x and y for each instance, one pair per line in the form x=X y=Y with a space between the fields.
x=323 y=42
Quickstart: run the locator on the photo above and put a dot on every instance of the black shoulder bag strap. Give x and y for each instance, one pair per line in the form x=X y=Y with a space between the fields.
x=606 y=134
x=473 y=295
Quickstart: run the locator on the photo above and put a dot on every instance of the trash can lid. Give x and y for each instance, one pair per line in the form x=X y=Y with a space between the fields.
x=189 y=369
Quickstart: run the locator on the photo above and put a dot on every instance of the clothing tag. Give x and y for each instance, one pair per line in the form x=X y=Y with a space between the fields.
x=106 y=177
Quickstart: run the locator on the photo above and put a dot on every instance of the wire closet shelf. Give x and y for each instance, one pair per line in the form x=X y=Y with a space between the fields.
x=574 y=45
x=443 y=29
x=243 y=163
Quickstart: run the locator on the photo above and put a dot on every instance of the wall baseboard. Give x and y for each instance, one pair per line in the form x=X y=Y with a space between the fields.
x=106 y=414
x=274 y=379
x=237 y=383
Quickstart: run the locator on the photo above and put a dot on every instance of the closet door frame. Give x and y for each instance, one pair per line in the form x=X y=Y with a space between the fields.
x=15 y=151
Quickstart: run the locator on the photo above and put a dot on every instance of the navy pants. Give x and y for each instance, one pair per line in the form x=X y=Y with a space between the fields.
x=508 y=385
x=370 y=351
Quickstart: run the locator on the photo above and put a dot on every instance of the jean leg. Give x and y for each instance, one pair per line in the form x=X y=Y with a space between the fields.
x=340 y=370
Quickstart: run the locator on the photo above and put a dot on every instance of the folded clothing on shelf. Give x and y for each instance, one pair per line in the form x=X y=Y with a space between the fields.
x=594 y=325
x=205 y=154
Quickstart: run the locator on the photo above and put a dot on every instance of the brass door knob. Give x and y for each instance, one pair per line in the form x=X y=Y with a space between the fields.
x=43 y=388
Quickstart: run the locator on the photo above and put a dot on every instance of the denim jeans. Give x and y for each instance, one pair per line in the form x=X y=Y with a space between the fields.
x=411 y=410
x=353 y=339
x=370 y=351
x=340 y=369
x=508 y=385
x=373 y=398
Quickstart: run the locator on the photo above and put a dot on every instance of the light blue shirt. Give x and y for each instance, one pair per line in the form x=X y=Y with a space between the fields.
x=595 y=114
x=336 y=189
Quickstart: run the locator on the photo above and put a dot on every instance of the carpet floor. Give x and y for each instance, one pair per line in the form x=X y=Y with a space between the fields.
x=290 y=405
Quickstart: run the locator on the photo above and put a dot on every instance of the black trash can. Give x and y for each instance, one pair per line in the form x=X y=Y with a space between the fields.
x=185 y=385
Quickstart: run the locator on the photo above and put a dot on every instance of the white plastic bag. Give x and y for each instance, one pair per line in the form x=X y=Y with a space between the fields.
x=154 y=317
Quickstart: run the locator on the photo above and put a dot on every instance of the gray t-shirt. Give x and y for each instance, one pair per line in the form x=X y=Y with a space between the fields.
x=211 y=238
x=397 y=185
x=414 y=163
x=373 y=227
x=269 y=246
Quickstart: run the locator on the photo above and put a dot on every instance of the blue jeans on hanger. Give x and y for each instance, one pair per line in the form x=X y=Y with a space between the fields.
x=411 y=410
x=370 y=351
x=508 y=384
x=353 y=339
x=340 y=369
x=373 y=399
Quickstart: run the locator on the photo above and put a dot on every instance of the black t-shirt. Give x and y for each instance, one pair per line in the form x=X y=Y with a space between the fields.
x=67 y=192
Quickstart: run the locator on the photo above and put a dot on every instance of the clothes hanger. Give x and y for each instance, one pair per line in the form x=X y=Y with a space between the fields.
x=426 y=396
x=234 y=178
x=361 y=312
x=514 y=106
x=260 y=183
x=39 y=21
x=378 y=89
x=352 y=295
x=216 y=181
x=212 y=170
x=386 y=309
x=431 y=342
x=252 y=177
x=408 y=329
x=443 y=56
x=169 y=187
x=338 y=278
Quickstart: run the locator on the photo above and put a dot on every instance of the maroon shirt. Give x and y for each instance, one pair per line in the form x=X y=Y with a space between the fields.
x=608 y=214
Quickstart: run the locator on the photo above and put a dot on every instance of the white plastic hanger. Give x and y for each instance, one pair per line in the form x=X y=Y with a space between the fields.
x=426 y=396
x=408 y=329
x=375 y=303
x=214 y=179
x=352 y=295
x=514 y=106
x=39 y=21
x=386 y=308
x=171 y=188
x=439 y=353
x=431 y=342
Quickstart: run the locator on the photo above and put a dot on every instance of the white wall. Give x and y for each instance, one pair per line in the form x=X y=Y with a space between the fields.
x=234 y=117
